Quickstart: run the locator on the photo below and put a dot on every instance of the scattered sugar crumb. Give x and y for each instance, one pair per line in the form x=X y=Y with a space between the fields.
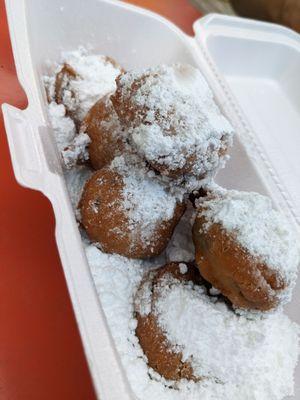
x=183 y=268
x=214 y=292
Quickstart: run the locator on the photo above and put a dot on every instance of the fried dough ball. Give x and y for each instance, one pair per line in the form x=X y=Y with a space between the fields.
x=107 y=137
x=246 y=249
x=187 y=333
x=82 y=81
x=160 y=355
x=173 y=120
x=128 y=213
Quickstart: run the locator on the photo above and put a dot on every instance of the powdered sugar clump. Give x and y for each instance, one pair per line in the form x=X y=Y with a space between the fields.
x=72 y=146
x=183 y=268
x=258 y=227
x=77 y=150
x=63 y=126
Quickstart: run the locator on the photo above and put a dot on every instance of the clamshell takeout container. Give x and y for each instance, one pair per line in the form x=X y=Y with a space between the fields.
x=253 y=69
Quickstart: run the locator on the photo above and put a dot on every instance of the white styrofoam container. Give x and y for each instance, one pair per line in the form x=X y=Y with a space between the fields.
x=253 y=69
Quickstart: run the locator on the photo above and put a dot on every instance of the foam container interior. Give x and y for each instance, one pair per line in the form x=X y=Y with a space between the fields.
x=253 y=69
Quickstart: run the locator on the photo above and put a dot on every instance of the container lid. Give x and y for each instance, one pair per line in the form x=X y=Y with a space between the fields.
x=258 y=65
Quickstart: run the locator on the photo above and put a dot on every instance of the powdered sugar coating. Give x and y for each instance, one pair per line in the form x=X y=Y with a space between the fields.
x=72 y=147
x=146 y=201
x=95 y=78
x=176 y=122
x=263 y=231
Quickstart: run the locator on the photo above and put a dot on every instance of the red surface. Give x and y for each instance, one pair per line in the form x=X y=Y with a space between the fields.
x=41 y=354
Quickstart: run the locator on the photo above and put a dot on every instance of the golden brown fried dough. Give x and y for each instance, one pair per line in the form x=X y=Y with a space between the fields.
x=243 y=279
x=160 y=355
x=105 y=214
x=107 y=137
x=245 y=248
x=174 y=129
